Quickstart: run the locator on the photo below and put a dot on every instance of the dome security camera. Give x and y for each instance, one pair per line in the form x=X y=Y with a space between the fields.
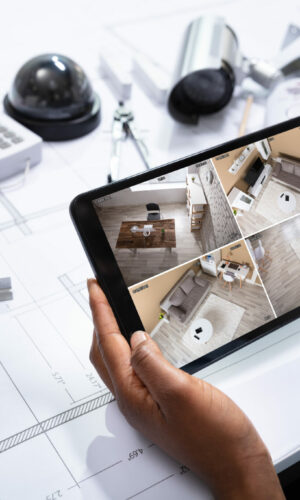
x=52 y=96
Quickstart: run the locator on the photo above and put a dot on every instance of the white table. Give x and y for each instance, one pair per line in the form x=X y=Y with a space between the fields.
x=263 y=379
x=201 y=331
x=197 y=196
x=240 y=273
x=240 y=200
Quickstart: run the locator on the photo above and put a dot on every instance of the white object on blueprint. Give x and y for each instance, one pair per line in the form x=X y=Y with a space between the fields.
x=151 y=78
x=112 y=68
x=19 y=147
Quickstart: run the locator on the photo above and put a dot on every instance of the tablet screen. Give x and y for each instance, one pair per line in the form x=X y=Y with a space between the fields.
x=211 y=251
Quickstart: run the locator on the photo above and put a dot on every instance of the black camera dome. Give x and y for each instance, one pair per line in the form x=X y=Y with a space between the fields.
x=52 y=95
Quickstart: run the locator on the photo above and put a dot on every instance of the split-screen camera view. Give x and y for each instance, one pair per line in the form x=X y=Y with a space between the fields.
x=211 y=251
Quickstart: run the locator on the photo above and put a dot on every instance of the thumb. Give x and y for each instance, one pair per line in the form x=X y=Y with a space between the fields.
x=152 y=368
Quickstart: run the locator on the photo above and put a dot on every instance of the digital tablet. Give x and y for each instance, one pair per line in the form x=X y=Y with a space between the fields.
x=203 y=253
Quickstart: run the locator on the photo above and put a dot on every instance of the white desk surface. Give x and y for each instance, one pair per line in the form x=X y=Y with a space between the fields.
x=240 y=273
x=197 y=196
x=45 y=332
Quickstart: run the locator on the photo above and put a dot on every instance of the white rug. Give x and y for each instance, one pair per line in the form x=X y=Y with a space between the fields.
x=268 y=207
x=172 y=337
x=295 y=244
x=225 y=318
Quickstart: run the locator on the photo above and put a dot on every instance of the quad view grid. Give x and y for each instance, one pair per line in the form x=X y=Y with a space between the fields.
x=212 y=251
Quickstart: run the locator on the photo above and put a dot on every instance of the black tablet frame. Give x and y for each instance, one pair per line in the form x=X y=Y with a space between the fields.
x=105 y=266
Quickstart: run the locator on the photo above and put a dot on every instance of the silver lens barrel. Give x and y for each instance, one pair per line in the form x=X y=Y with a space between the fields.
x=204 y=76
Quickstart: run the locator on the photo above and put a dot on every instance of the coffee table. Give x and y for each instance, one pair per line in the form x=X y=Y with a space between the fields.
x=162 y=235
x=201 y=330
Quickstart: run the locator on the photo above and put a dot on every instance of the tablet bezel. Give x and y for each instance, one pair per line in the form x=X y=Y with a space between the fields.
x=105 y=266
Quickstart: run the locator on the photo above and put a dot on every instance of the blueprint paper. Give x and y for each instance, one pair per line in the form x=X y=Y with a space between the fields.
x=61 y=435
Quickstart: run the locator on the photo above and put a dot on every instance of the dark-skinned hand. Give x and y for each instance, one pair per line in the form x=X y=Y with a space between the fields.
x=163 y=403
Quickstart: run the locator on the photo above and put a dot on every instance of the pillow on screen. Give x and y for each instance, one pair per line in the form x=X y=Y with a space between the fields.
x=187 y=285
x=177 y=297
x=276 y=168
x=200 y=281
x=297 y=171
x=287 y=167
x=177 y=312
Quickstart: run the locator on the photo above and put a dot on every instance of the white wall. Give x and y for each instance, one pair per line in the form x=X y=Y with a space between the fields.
x=163 y=194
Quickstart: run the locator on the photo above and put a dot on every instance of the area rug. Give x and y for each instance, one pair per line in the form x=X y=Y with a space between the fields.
x=268 y=207
x=225 y=318
x=174 y=339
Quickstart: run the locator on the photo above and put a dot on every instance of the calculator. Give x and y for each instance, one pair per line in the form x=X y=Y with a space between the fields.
x=18 y=147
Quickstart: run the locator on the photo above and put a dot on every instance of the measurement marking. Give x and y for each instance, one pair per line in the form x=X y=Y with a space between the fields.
x=99 y=472
x=151 y=486
x=13 y=440
x=56 y=421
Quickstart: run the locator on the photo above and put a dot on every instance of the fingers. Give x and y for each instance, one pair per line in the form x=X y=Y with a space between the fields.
x=97 y=361
x=103 y=317
x=129 y=373
x=156 y=373
x=115 y=351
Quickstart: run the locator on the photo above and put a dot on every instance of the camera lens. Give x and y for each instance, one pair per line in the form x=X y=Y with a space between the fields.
x=201 y=92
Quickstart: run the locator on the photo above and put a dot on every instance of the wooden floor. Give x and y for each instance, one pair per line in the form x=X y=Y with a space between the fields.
x=148 y=262
x=282 y=276
x=251 y=297
x=252 y=222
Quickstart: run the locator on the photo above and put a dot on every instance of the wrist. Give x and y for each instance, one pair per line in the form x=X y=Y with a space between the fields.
x=250 y=478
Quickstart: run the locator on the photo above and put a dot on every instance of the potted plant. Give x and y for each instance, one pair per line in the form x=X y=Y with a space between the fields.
x=162 y=232
x=161 y=316
x=193 y=179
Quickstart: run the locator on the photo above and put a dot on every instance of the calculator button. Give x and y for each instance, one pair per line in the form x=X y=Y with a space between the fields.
x=16 y=140
x=9 y=134
x=4 y=145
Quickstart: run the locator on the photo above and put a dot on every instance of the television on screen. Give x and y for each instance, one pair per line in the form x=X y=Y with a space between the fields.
x=254 y=172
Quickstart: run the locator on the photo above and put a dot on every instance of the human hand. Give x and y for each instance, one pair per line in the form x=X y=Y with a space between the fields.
x=188 y=418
